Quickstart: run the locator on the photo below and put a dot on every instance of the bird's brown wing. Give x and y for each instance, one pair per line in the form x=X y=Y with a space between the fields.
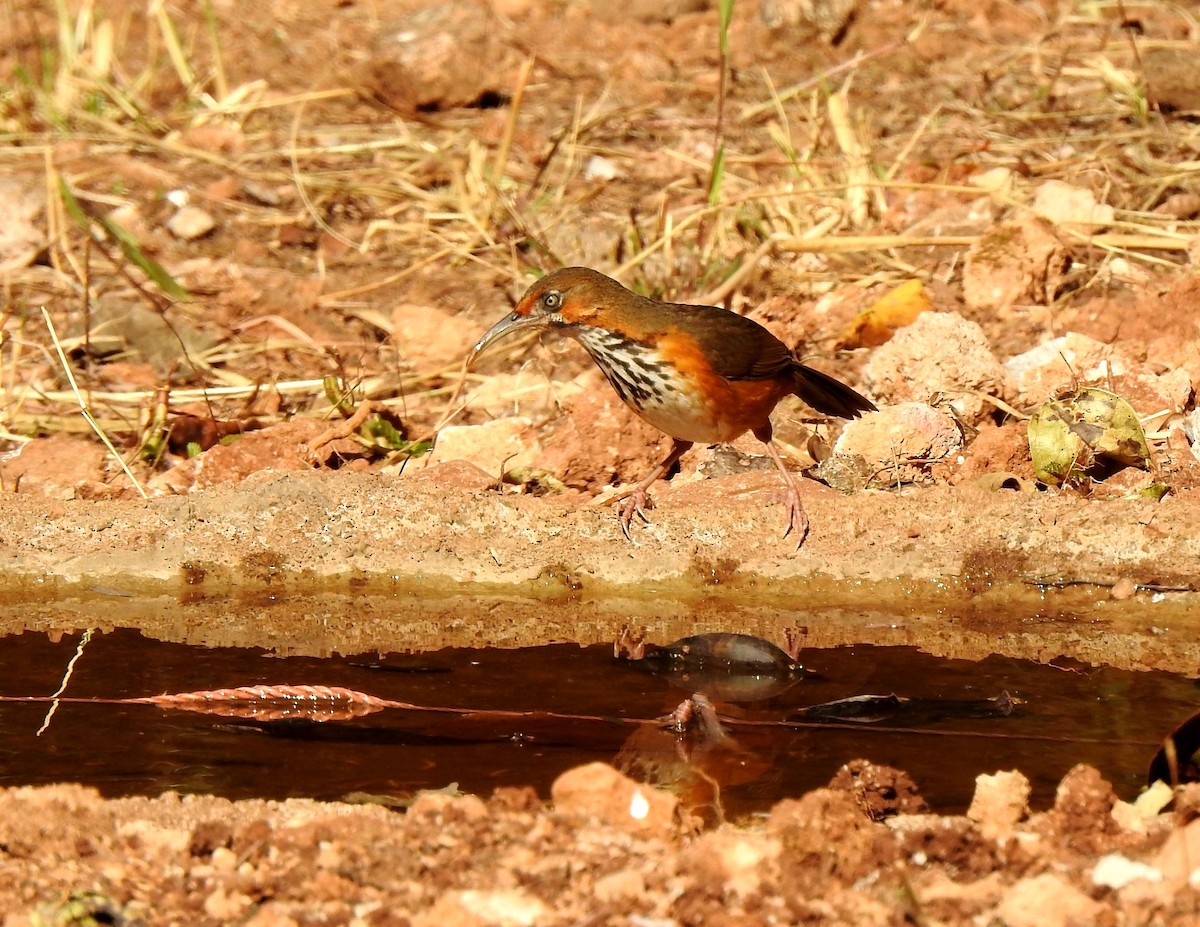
x=738 y=348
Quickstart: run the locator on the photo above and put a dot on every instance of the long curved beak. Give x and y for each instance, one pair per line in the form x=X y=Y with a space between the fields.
x=513 y=322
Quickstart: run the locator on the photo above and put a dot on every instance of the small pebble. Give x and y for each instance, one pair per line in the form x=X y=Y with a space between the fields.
x=262 y=193
x=1124 y=588
x=190 y=223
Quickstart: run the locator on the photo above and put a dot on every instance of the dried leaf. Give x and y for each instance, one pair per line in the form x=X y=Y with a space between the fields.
x=1057 y=452
x=1121 y=439
x=1067 y=437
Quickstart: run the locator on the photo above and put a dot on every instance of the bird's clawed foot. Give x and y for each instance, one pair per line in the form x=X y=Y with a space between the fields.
x=797 y=518
x=635 y=503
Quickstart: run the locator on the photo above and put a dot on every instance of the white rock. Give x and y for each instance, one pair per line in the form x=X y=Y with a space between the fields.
x=1077 y=207
x=1117 y=870
x=190 y=223
x=600 y=168
x=997 y=180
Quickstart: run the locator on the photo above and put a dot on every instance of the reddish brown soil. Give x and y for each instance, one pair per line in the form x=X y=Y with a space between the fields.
x=372 y=233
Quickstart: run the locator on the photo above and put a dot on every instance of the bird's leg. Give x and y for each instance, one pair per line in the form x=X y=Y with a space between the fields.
x=797 y=518
x=638 y=501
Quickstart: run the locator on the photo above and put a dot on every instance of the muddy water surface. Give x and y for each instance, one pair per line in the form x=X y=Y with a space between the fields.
x=953 y=721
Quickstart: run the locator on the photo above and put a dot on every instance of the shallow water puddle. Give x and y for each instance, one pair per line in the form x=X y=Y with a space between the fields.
x=944 y=737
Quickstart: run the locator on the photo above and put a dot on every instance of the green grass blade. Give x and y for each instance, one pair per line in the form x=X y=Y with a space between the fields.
x=725 y=15
x=718 y=173
x=126 y=242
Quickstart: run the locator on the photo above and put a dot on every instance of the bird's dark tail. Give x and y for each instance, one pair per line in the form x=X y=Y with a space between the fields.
x=827 y=395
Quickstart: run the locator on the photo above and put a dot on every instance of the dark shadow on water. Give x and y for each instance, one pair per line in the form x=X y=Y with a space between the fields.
x=1109 y=718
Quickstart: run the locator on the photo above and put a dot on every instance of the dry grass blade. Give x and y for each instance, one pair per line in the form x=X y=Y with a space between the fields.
x=858 y=171
x=503 y=150
x=851 y=243
x=83 y=406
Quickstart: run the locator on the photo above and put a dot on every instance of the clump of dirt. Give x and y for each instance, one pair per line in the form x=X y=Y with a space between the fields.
x=608 y=847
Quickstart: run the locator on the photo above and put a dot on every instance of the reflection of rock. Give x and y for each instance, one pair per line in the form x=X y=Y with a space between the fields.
x=726 y=667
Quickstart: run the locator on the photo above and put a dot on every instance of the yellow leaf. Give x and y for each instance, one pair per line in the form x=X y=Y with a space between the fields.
x=879 y=321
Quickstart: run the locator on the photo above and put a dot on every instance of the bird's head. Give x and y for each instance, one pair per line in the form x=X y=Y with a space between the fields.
x=566 y=297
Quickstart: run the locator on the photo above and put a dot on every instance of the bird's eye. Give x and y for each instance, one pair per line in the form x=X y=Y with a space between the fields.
x=552 y=300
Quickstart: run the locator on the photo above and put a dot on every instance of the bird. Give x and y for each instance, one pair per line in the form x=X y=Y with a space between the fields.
x=699 y=374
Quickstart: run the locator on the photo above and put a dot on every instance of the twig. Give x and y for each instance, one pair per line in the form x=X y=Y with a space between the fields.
x=500 y=164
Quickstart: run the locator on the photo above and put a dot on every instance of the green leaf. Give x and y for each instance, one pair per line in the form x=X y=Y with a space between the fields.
x=340 y=398
x=382 y=430
x=150 y=267
x=74 y=210
x=1055 y=449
